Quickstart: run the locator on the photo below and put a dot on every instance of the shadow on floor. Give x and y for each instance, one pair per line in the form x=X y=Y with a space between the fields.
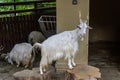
x=106 y=56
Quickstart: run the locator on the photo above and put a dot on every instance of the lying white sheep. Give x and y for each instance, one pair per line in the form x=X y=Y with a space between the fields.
x=36 y=36
x=64 y=44
x=22 y=53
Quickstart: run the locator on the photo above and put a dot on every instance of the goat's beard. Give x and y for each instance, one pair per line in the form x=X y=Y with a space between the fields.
x=82 y=38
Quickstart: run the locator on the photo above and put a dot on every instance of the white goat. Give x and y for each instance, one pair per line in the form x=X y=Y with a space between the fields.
x=35 y=36
x=64 y=44
x=22 y=53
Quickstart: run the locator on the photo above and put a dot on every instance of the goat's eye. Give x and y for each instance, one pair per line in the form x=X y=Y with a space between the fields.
x=79 y=27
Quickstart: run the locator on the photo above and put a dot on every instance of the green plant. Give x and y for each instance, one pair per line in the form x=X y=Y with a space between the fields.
x=22 y=7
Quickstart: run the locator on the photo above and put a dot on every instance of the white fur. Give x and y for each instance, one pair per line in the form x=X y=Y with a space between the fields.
x=21 y=53
x=64 y=44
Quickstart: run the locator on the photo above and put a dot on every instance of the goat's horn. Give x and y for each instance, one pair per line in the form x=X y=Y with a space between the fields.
x=87 y=16
x=80 y=17
x=90 y=27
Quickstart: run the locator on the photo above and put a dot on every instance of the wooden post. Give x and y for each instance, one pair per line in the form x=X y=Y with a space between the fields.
x=34 y=74
x=67 y=19
x=83 y=72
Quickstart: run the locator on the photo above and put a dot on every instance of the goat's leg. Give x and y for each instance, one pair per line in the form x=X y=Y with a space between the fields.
x=40 y=68
x=44 y=69
x=26 y=65
x=18 y=63
x=73 y=62
x=43 y=64
x=10 y=61
x=70 y=63
x=31 y=65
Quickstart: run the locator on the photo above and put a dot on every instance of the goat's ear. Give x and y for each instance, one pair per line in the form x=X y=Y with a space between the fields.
x=89 y=27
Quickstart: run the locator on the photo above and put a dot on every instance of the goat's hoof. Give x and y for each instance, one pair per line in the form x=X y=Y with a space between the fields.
x=74 y=64
x=17 y=65
x=44 y=70
x=41 y=73
x=71 y=67
x=26 y=66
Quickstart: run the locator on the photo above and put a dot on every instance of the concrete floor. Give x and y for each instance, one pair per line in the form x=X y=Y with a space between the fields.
x=105 y=56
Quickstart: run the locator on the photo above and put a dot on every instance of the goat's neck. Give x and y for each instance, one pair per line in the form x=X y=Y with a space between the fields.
x=76 y=33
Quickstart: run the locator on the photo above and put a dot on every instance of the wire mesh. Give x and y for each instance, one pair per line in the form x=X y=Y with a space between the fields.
x=48 y=25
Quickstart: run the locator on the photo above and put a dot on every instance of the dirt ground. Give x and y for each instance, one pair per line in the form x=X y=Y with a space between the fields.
x=7 y=70
x=104 y=57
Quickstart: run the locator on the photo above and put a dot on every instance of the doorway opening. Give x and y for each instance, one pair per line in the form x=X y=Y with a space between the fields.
x=104 y=48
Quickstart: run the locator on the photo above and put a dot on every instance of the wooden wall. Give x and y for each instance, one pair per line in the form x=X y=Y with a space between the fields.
x=16 y=30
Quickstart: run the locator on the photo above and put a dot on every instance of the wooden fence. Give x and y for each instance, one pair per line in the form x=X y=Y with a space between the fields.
x=16 y=29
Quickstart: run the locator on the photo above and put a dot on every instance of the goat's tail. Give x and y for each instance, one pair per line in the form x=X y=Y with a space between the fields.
x=33 y=53
x=32 y=58
x=37 y=48
x=37 y=45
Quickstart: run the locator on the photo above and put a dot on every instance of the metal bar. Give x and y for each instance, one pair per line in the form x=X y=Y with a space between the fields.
x=26 y=10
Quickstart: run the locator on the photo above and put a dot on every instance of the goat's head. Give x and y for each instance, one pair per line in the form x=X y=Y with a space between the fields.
x=7 y=58
x=83 y=26
x=1 y=47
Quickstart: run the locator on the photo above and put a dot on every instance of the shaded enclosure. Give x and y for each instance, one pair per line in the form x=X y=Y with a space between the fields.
x=16 y=29
x=104 y=39
x=104 y=18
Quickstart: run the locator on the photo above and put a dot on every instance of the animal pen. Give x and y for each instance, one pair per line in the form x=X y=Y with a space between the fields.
x=104 y=36
x=47 y=25
x=16 y=29
x=102 y=43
